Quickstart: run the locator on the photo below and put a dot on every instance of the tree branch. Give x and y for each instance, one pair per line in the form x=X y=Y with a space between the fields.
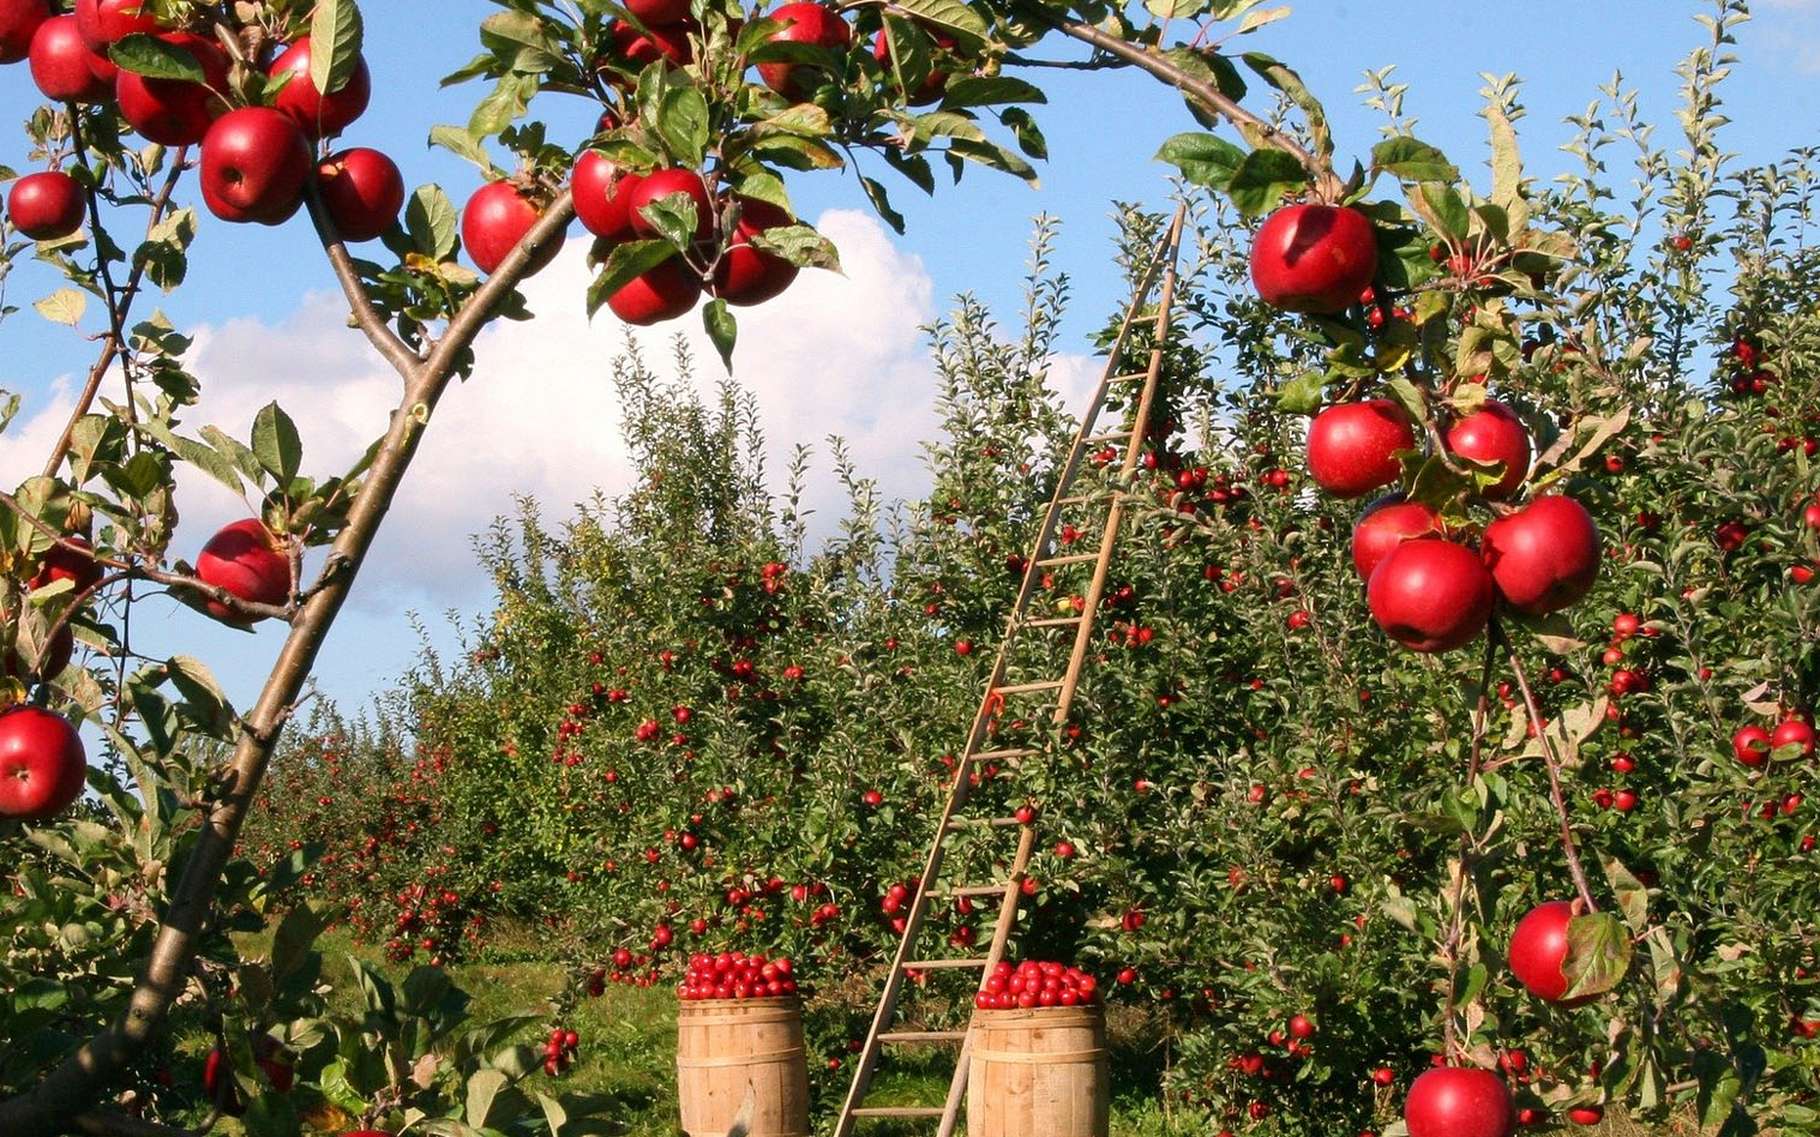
x=1257 y=130
x=117 y=312
x=366 y=317
x=76 y=1083
x=1568 y=845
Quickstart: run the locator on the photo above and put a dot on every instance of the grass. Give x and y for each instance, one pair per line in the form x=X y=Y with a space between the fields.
x=628 y=1047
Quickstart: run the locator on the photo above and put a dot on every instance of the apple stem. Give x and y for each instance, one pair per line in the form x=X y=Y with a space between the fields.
x=1568 y=846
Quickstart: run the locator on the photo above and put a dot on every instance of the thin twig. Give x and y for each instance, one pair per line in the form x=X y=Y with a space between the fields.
x=1568 y=845
x=1456 y=930
x=113 y=344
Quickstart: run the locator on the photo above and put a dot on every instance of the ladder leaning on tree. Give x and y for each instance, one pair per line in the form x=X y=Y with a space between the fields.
x=1002 y=686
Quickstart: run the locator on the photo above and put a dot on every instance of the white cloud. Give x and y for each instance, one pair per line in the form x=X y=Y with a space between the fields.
x=835 y=355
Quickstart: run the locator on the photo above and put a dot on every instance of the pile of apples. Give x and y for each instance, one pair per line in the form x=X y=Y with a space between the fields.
x=257 y=160
x=1035 y=984
x=1427 y=586
x=736 y=975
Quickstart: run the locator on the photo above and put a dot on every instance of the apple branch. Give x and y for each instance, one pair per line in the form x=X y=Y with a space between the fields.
x=366 y=317
x=77 y=1082
x=1258 y=130
x=1456 y=928
x=1569 y=847
x=118 y=303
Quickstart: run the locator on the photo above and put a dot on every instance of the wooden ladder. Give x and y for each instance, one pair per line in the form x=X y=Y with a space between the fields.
x=1044 y=558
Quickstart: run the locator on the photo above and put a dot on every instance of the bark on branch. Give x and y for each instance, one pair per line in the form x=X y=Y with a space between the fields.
x=75 y=1085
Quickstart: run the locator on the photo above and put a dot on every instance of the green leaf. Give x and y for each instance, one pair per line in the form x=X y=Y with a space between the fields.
x=276 y=442
x=682 y=123
x=1598 y=954
x=456 y=140
x=64 y=306
x=1444 y=209
x=722 y=329
x=202 y=695
x=950 y=14
x=336 y=31
x=1284 y=79
x=800 y=245
x=432 y=222
x=1633 y=898
x=630 y=259
x=675 y=216
x=989 y=91
x=1302 y=395
x=881 y=203
x=554 y=1113
x=483 y=1089
x=1263 y=178
x=1204 y=159
x=155 y=58
x=1413 y=160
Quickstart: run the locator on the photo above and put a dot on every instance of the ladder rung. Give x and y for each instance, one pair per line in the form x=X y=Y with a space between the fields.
x=943 y=964
x=1077 y=499
x=900 y=1111
x=1028 y=688
x=1055 y=622
x=983 y=823
x=909 y=1036
x=1110 y=436
x=1134 y=377
x=1071 y=559
x=1005 y=755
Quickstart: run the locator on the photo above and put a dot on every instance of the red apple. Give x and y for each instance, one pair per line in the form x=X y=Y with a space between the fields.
x=653 y=12
x=808 y=23
x=1387 y=523
x=19 y=21
x=933 y=85
x=1493 y=434
x=1431 y=595
x=1314 y=258
x=60 y=64
x=1352 y=447
x=745 y=275
x=46 y=206
x=76 y=565
x=1751 y=745
x=255 y=163
x=176 y=112
x=1538 y=950
x=1453 y=1101
x=663 y=293
x=601 y=192
x=497 y=218
x=317 y=114
x=103 y=22
x=661 y=183
x=1794 y=732
x=245 y=559
x=1586 y=1116
x=363 y=192
x=1544 y=557
x=43 y=767
x=637 y=50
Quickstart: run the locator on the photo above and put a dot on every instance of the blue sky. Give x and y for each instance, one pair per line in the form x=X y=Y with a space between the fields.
x=269 y=326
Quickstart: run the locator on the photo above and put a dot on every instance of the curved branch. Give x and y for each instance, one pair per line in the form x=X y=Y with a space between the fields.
x=1259 y=131
x=75 y=1084
x=366 y=317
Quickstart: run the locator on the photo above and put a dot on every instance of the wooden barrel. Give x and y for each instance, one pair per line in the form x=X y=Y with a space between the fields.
x=730 y=1049
x=1039 y=1073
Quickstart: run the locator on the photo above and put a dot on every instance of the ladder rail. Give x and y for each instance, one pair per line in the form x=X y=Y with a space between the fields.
x=1163 y=266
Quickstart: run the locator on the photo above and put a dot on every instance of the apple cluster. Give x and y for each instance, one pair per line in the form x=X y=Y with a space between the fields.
x=1426 y=585
x=1034 y=984
x=559 y=1050
x=258 y=155
x=736 y=975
